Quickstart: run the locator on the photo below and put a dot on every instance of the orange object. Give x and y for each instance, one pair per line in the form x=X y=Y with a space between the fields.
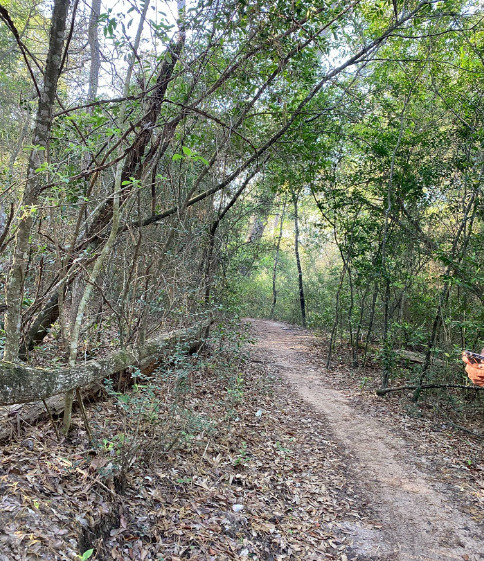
x=474 y=368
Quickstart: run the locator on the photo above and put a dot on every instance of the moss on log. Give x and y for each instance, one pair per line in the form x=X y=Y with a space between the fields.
x=22 y=384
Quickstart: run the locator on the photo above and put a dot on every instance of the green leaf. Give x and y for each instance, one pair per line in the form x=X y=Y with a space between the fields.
x=86 y=554
x=176 y=157
x=187 y=151
x=33 y=147
x=43 y=167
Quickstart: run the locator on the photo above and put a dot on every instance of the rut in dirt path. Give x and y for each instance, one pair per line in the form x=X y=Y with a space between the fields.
x=419 y=522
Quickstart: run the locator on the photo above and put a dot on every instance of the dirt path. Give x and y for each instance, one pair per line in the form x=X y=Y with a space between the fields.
x=419 y=521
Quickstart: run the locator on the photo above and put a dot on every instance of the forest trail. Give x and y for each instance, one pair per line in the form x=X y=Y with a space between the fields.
x=419 y=520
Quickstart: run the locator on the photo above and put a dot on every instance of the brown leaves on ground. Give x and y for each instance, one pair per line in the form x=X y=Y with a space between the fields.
x=439 y=426
x=260 y=480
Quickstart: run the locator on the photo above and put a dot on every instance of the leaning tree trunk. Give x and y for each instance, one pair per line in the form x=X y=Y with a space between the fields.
x=302 y=300
x=40 y=139
x=86 y=296
x=215 y=225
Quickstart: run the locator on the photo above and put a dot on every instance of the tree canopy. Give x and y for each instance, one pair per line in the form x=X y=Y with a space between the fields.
x=155 y=161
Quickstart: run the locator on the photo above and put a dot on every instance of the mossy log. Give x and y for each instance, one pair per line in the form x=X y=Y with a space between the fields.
x=417 y=358
x=22 y=384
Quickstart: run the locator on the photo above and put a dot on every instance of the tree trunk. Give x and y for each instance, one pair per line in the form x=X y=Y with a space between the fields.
x=353 y=339
x=86 y=296
x=95 y=52
x=336 y=317
x=370 y=322
x=20 y=383
x=40 y=139
x=302 y=300
x=276 y=262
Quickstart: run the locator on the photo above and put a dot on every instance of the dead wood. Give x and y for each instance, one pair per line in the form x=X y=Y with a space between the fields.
x=384 y=391
x=417 y=358
x=21 y=384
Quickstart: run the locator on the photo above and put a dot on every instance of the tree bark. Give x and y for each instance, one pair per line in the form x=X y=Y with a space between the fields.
x=95 y=53
x=276 y=262
x=22 y=384
x=40 y=139
x=302 y=300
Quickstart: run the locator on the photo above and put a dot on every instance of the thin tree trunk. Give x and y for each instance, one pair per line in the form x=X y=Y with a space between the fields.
x=40 y=140
x=276 y=262
x=370 y=322
x=444 y=296
x=353 y=343
x=302 y=300
x=359 y=326
x=336 y=317
x=95 y=66
x=76 y=327
x=95 y=52
x=387 y=344
x=3 y=220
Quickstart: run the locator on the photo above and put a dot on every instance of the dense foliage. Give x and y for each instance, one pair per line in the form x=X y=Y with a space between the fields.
x=163 y=161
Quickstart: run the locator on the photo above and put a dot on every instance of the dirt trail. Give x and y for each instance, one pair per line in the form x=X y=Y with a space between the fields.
x=419 y=521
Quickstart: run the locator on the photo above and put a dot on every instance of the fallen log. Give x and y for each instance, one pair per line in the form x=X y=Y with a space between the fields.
x=14 y=417
x=417 y=358
x=383 y=391
x=20 y=383
x=30 y=409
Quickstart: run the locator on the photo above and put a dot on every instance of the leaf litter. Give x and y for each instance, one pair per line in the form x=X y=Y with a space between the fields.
x=260 y=479
x=395 y=465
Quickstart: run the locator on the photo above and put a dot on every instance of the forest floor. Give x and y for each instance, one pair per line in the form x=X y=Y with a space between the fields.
x=276 y=459
x=411 y=474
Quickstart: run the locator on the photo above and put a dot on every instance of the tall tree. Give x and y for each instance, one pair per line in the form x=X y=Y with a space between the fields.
x=33 y=185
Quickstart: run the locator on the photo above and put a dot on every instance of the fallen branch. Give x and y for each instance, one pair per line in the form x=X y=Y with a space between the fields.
x=20 y=383
x=417 y=358
x=463 y=429
x=384 y=391
x=12 y=418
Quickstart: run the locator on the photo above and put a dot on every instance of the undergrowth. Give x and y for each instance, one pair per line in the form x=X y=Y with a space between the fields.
x=157 y=415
